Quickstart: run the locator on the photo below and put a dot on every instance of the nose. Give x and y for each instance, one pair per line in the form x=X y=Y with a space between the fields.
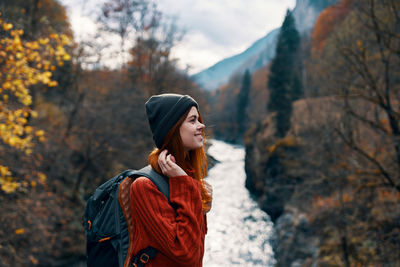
x=200 y=126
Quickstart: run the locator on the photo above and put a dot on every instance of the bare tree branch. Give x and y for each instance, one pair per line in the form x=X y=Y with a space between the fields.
x=383 y=171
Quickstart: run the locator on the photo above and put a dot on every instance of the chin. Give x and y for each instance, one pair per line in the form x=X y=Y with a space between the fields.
x=195 y=146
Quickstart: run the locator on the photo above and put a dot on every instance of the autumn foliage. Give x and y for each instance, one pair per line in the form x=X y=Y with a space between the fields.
x=24 y=64
x=332 y=183
x=327 y=21
x=64 y=130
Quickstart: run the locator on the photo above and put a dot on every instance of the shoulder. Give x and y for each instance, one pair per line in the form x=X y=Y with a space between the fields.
x=145 y=187
x=143 y=183
x=142 y=180
x=145 y=193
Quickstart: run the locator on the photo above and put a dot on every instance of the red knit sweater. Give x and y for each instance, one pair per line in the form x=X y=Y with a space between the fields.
x=179 y=234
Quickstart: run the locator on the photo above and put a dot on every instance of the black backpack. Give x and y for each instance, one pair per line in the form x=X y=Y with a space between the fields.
x=108 y=221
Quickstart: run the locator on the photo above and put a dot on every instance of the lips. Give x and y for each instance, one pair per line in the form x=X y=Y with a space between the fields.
x=199 y=135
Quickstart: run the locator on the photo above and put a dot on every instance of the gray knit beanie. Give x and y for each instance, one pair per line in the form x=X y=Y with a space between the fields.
x=163 y=111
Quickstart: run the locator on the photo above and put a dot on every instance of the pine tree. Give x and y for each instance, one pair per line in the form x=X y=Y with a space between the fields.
x=242 y=100
x=283 y=83
x=296 y=87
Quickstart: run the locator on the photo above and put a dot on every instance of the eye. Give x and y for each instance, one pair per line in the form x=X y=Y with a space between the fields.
x=193 y=119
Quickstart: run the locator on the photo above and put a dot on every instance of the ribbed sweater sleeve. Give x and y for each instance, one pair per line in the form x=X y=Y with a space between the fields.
x=178 y=234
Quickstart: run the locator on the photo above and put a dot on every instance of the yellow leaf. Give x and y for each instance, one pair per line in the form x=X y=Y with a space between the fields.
x=12 y=141
x=22 y=121
x=27 y=100
x=4 y=171
x=34 y=114
x=9 y=186
x=42 y=177
x=44 y=41
x=28 y=129
x=66 y=57
x=65 y=39
x=20 y=231
x=7 y=26
x=7 y=85
x=53 y=84
x=39 y=133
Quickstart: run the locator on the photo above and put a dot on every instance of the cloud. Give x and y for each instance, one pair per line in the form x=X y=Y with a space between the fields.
x=215 y=29
x=221 y=28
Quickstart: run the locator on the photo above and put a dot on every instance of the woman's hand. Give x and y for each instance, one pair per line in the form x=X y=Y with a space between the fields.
x=209 y=190
x=168 y=166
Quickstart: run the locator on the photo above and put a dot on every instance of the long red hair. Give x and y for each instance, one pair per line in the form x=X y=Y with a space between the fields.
x=194 y=162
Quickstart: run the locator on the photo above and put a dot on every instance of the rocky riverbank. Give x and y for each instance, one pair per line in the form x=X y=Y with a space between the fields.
x=280 y=173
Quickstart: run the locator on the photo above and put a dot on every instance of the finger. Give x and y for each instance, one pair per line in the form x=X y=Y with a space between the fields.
x=162 y=157
x=162 y=160
x=169 y=161
x=162 y=166
x=173 y=159
x=163 y=154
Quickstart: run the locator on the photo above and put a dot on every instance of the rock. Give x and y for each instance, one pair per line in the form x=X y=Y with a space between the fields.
x=276 y=170
x=295 y=243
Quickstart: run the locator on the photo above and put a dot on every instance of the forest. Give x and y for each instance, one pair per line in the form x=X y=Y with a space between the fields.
x=320 y=125
x=67 y=125
x=323 y=141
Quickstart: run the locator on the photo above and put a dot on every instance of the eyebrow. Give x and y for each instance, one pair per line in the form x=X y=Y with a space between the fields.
x=191 y=116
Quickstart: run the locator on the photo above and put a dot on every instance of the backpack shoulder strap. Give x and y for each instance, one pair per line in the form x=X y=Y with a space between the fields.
x=124 y=199
x=159 y=180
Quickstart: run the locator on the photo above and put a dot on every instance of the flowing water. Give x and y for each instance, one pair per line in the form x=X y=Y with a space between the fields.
x=238 y=231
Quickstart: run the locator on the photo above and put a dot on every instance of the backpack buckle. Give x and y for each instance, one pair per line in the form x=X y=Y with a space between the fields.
x=144 y=258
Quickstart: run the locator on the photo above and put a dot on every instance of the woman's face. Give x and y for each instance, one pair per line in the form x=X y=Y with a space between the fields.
x=191 y=131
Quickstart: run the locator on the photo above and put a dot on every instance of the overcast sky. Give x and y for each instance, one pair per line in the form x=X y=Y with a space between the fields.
x=215 y=29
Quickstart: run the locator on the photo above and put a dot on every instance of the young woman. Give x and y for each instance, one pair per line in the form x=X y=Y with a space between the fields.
x=177 y=229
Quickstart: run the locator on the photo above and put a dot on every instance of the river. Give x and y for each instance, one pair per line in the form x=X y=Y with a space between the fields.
x=238 y=231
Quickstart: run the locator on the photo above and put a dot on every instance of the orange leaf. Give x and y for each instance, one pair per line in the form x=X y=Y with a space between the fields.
x=20 y=231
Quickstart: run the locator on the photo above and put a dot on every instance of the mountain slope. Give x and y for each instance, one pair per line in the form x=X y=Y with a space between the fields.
x=262 y=51
x=219 y=73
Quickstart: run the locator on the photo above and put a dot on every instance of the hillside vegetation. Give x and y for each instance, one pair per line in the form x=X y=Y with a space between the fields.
x=63 y=129
x=331 y=184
